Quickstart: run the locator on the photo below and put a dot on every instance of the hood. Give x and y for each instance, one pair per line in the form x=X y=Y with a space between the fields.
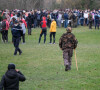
x=11 y=74
x=54 y=22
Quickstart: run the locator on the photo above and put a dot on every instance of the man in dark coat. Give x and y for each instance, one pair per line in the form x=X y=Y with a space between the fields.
x=17 y=33
x=10 y=81
x=67 y=43
x=29 y=23
x=96 y=20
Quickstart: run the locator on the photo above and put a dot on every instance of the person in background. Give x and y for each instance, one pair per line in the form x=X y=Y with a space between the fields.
x=96 y=20
x=48 y=20
x=12 y=25
x=82 y=18
x=53 y=31
x=24 y=30
x=10 y=80
x=90 y=21
x=59 y=19
x=38 y=18
x=66 y=19
x=44 y=29
x=5 y=27
x=0 y=27
x=14 y=16
x=29 y=23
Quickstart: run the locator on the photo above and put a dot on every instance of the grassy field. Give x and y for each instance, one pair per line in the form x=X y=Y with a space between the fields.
x=43 y=65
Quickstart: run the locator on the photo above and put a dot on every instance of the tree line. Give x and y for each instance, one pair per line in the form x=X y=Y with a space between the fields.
x=49 y=4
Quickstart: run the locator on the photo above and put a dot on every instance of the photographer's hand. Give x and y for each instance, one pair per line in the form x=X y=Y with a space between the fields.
x=17 y=70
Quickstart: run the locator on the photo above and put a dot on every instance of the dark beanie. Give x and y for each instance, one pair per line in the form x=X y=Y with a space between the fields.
x=11 y=66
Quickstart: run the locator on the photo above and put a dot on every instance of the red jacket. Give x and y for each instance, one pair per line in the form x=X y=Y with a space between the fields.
x=44 y=24
x=7 y=24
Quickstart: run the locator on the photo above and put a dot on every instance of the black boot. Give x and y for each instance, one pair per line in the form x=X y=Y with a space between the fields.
x=66 y=68
x=20 y=52
x=69 y=67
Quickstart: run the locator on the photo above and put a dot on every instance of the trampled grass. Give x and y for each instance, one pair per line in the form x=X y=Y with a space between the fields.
x=43 y=65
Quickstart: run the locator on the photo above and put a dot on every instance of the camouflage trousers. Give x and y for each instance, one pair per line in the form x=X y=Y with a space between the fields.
x=67 y=56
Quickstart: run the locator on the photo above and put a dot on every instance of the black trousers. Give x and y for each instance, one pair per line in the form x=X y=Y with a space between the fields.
x=48 y=23
x=12 y=37
x=23 y=37
x=5 y=35
x=90 y=24
x=38 y=23
x=52 y=34
x=16 y=45
x=29 y=29
x=43 y=32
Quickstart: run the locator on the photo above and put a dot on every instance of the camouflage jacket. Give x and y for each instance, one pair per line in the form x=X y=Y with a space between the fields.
x=68 y=41
x=90 y=17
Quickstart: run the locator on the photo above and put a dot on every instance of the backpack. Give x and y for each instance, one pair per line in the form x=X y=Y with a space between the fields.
x=3 y=25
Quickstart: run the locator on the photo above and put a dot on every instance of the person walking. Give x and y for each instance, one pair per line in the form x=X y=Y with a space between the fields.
x=67 y=43
x=17 y=33
x=53 y=31
x=10 y=81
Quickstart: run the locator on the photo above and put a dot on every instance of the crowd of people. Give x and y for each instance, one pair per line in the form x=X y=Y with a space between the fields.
x=19 y=20
x=32 y=19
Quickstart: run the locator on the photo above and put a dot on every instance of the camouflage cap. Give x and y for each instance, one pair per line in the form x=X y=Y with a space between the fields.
x=69 y=29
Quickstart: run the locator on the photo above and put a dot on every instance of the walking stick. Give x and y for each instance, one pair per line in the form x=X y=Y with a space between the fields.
x=76 y=59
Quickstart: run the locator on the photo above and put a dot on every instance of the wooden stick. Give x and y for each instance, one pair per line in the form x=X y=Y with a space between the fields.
x=76 y=59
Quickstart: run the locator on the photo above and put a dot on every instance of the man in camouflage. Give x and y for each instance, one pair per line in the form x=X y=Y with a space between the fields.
x=67 y=43
x=90 y=21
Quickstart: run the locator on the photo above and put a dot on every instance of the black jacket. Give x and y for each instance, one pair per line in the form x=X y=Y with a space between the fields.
x=29 y=21
x=10 y=81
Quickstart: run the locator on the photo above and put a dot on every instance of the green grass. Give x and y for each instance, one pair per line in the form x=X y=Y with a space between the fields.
x=43 y=64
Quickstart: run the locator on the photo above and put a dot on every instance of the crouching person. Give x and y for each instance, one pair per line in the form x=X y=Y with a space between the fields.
x=10 y=81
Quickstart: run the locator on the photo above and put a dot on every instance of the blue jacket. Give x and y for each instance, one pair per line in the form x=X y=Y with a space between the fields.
x=17 y=31
x=65 y=16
